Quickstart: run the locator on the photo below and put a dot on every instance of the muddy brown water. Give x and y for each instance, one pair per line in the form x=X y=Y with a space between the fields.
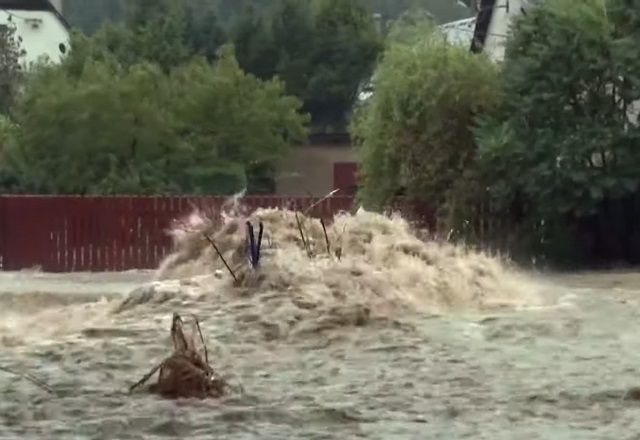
x=559 y=371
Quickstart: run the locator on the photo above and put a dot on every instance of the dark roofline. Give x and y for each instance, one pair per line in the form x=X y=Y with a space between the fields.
x=483 y=22
x=34 y=5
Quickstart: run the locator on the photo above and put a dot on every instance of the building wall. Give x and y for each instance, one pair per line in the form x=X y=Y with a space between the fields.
x=41 y=32
x=504 y=11
x=310 y=169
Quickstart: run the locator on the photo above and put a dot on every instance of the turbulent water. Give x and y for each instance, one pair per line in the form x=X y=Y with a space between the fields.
x=383 y=335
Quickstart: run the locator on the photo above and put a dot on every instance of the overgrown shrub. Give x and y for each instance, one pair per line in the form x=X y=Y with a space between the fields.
x=94 y=126
x=565 y=148
x=416 y=135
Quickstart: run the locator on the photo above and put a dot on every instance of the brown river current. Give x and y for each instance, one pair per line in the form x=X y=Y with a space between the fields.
x=400 y=338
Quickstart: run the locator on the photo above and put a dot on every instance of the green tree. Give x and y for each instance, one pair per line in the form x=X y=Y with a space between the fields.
x=322 y=50
x=344 y=52
x=566 y=146
x=235 y=122
x=10 y=69
x=203 y=30
x=251 y=37
x=292 y=32
x=91 y=125
x=159 y=31
x=416 y=133
x=106 y=131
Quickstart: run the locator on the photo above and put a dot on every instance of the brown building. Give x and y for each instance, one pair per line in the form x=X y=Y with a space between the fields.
x=325 y=163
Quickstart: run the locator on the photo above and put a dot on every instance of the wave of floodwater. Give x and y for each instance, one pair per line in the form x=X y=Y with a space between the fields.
x=368 y=267
x=323 y=346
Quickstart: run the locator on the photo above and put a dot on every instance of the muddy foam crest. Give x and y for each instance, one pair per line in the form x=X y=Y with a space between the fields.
x=374 y=263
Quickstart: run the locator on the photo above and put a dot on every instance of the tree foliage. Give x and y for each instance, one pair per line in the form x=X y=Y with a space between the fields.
x=10 y=69
x=92 y=125
x=416 y=133
x=322 y=50
x=567 y=140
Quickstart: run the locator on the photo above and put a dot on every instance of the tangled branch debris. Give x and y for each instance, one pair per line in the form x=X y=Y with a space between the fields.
x=30 y=378
x=212 y=243
x=185 y=374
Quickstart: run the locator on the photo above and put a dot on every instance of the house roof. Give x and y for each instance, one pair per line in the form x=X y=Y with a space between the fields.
x=33 y=5
x=459 y=31
x=483 y=22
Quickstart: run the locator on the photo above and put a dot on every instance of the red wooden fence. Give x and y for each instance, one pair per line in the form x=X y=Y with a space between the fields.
x=67 y=234
x=73 y=233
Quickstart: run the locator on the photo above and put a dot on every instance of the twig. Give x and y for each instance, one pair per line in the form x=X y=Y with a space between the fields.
x=30 y=378
x=175 y=333
x=206 y=353
x=252 y=245
x=146 y=377
x=259 y=244
x=326 y=236
x=221 y=257
x=328 y=196
x=304 y=241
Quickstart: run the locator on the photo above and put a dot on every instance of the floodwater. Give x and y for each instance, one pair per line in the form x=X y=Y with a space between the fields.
x=562 y=363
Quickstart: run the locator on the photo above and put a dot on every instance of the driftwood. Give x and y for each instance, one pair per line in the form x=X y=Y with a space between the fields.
x=186 y=373
x=30 y=378
x=213 y=244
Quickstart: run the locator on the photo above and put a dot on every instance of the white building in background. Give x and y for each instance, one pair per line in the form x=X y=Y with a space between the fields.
x=40 y=27
x=493 y=25
x=460 y=31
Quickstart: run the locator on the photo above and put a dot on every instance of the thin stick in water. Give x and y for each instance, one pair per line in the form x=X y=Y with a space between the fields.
x=328 y=196
x=259 y=244
x=304 y=241
x=30 y=378
x=206 y=353
x=326 y=236
x=146 y=377
x=221 y=257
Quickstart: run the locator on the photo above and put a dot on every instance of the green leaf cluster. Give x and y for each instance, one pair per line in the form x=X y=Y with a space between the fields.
x=10 y=68
x=93 y=125
x=416 y=134
x=321 y=49
x=567 y=137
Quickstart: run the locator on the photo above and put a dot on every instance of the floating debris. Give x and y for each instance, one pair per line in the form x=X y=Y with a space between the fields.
x=30 y=378
x=187 y=372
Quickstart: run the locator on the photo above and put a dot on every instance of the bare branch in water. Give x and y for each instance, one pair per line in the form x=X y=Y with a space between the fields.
x=146 y=377
x=304 y=241
x=221 y=257
x=206 y=353
x=326 y=236
x=30 y=378
x=328 y=196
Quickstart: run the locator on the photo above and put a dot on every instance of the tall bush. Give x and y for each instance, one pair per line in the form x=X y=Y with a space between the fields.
x=94 y=126
x=416 y=134
x=566 y=146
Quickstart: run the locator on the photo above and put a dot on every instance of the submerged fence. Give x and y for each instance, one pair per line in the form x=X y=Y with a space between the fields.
x=68 y=234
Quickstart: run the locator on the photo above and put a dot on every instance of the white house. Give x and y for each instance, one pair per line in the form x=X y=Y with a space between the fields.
x=459 y=31
x=40 y=28
x=492 y=30
x=492 y=25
